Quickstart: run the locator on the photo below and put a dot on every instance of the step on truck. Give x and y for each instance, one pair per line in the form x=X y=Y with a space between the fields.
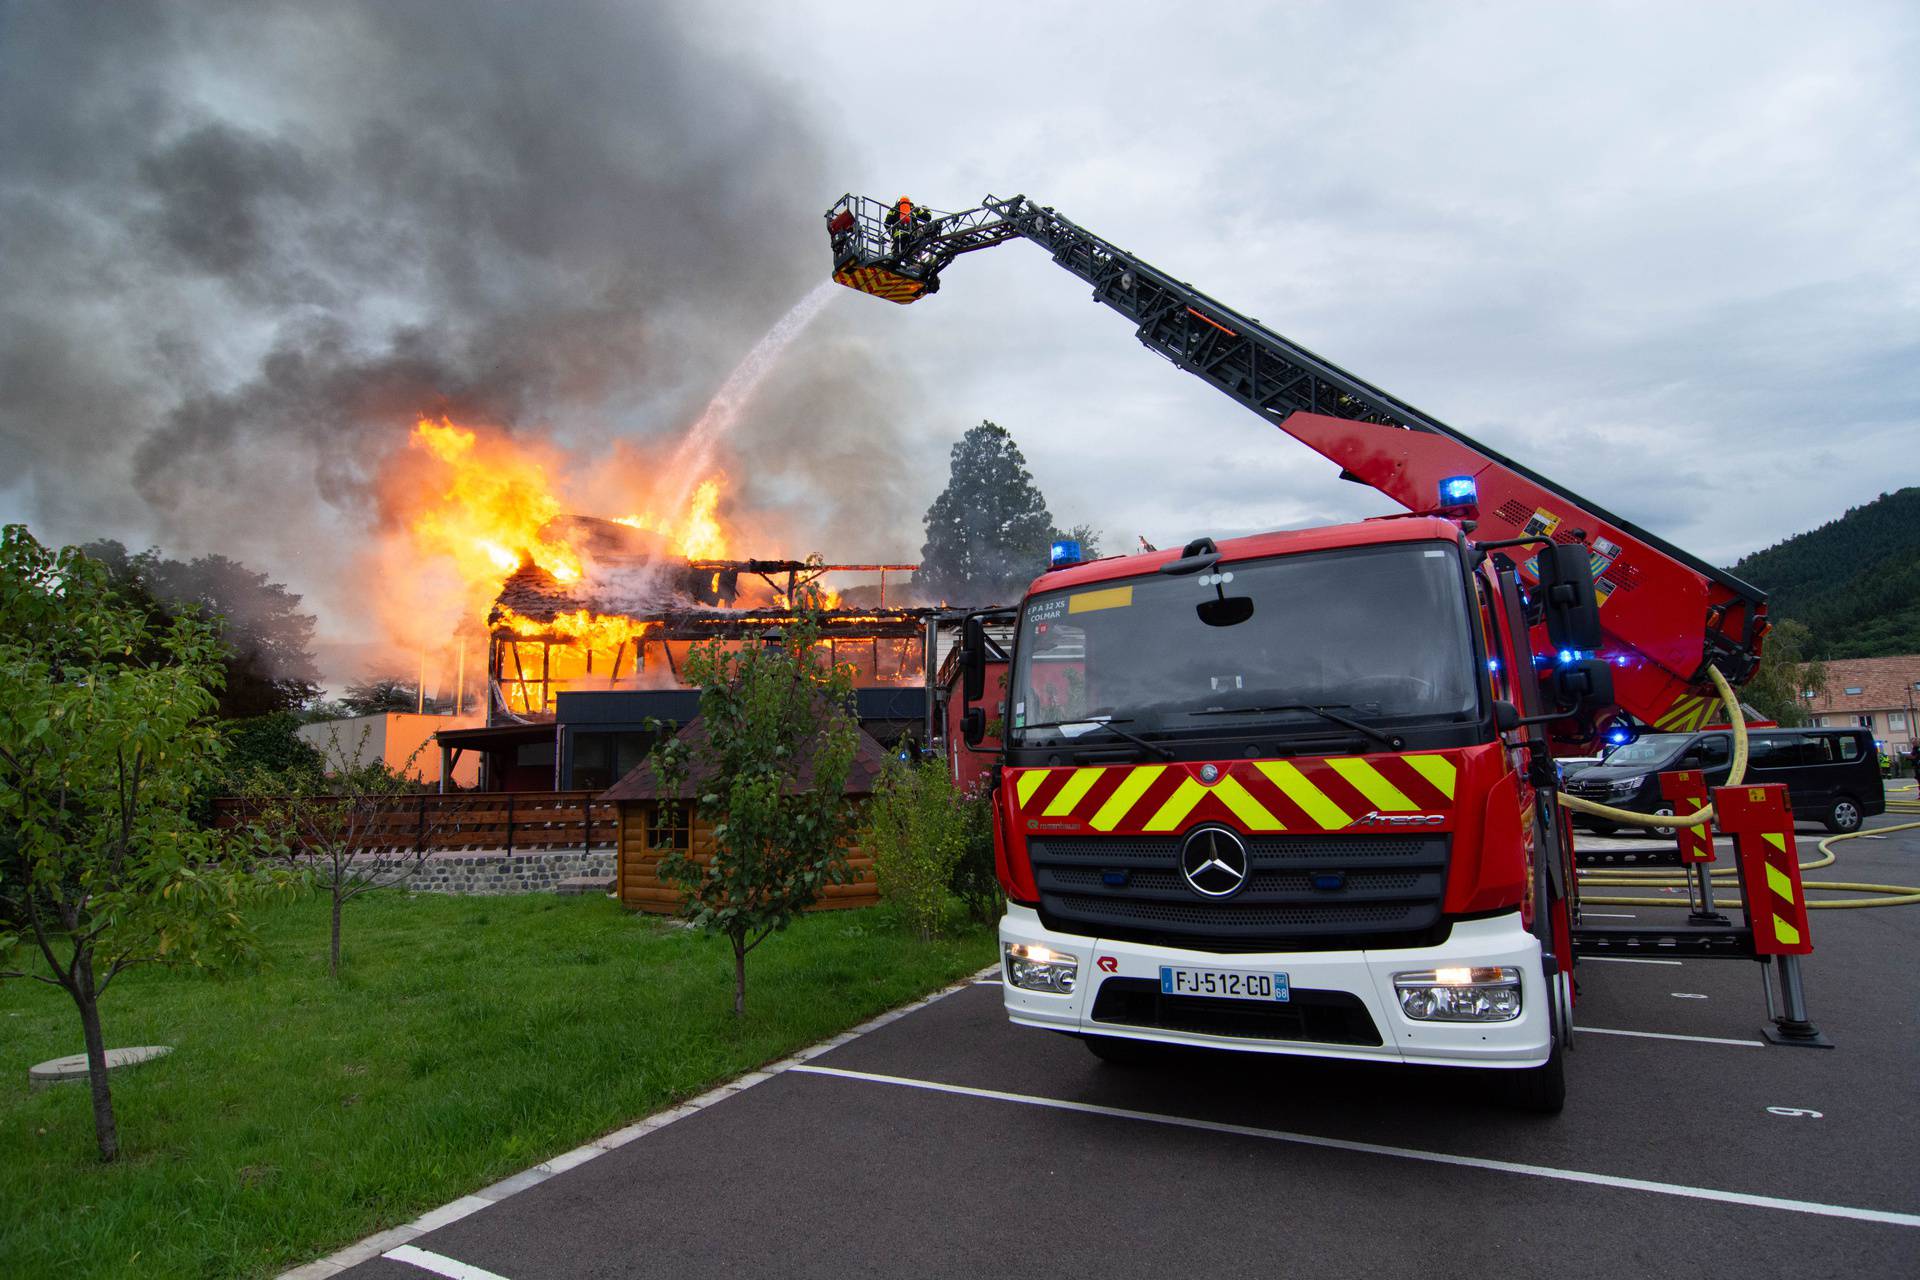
x=1296 y=793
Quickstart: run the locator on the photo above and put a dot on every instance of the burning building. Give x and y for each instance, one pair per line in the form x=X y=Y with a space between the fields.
x=592 y=620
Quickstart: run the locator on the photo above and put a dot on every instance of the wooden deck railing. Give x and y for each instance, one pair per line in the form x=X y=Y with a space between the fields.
x=524 y=821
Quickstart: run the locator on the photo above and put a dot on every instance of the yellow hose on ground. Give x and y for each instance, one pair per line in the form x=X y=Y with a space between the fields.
x=1736 y=774
x=1893 y=895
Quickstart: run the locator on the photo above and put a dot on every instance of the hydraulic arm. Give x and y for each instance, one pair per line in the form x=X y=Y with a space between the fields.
x=1668 y=615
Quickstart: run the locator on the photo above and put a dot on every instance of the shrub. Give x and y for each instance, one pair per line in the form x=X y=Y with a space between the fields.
x=975 y=881
x=917 y=833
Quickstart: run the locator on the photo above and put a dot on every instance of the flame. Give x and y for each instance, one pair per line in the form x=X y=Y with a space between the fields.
x=699 y=535
x=489 y=516
x=595 y=630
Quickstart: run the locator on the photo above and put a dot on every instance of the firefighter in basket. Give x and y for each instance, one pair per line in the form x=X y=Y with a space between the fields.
x=906 y=221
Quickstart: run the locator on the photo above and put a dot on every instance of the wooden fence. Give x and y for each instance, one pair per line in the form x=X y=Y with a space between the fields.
x=514 y=821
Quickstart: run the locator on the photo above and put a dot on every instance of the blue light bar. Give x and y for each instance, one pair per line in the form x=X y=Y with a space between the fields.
x=1459 y=491
x=1064 y=552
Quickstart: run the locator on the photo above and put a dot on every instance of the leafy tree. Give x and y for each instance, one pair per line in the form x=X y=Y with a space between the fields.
x=105 y=736
x=989 y=530
x=1787 y=671
x=379 y=693
x=768 y=767
x=916 y=833
x=267 y=643
x=351 y=827
x=268 y=744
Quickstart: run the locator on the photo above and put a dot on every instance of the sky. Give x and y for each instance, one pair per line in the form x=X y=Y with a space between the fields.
x=1668 y=255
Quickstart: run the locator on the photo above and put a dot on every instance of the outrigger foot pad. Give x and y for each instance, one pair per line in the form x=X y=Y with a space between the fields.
x=1795 y=1035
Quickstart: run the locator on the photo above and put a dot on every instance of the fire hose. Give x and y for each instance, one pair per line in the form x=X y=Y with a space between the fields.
x=1892 y=895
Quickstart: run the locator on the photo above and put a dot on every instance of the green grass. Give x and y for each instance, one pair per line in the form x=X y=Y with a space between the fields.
x=467 y=1039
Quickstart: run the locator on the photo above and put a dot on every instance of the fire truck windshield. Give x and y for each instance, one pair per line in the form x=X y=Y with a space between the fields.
x=1379 y=634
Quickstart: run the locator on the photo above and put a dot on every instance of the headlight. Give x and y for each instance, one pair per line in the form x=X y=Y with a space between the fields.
x=1627 y=786
x=1459 y=995
x=1032 y=967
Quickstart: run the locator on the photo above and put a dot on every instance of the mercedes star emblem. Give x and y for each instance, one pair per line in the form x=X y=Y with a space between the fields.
x=1214 y=862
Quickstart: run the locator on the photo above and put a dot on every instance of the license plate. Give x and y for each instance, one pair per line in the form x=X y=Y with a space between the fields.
x=1231 y=984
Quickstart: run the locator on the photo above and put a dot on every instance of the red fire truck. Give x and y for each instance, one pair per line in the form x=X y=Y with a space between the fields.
x=1295 y=793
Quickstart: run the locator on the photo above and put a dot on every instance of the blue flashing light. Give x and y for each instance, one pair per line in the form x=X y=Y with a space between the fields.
x=1566 y=656
x=1064 y=552
x=1459 y=491
x=1618 y=737
x=1493 y=664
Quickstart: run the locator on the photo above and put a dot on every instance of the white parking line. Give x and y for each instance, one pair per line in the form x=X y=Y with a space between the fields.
x=440 y=1264
x=1377 y=1149
x=1663 y=1035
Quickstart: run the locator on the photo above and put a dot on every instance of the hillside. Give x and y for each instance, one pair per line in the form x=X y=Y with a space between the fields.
x=1855 y=582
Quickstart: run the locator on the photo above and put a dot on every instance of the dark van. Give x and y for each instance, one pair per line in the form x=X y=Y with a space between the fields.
x=1831 y=774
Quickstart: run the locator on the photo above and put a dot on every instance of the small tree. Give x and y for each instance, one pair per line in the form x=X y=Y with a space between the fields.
x=768 y=769
x=916 y=831
x=105 y=737
x=350 y=827
x=1787 y=674
x=379 y=693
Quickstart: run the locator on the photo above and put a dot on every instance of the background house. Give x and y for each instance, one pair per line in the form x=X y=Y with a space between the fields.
x=1881 y=694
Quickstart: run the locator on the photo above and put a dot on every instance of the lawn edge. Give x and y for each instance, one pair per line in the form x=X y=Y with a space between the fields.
x=432 y=1220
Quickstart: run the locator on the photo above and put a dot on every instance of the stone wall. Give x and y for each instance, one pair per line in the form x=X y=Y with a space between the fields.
x=497 y=871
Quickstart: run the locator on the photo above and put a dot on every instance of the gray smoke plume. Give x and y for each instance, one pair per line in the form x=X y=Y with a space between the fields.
x=244 y=245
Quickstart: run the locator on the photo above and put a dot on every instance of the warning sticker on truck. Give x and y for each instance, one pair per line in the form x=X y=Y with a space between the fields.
x=1094 y=601
x=1541 y=524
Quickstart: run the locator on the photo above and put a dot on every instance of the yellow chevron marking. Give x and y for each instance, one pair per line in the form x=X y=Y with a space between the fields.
x=1027 y=783
x=1294 y=785
x=1178 y=806
x=1435 y=769
x=1775 y=839
x=1077 y=786
x=1785 y=932
x=1132 y=787
x=1779 y=882
x=1368 y=782
x=1249 y=810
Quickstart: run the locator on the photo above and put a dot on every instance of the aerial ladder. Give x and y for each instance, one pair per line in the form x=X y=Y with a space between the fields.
x=1668 y=616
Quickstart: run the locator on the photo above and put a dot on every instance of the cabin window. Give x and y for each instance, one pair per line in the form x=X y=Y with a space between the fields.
x=672 y=826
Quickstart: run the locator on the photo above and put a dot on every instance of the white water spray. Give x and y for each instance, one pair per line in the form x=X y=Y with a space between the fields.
x=693 y=460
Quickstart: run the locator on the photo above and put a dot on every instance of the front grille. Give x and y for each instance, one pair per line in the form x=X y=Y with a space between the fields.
x=1382 y=891
x=1321 y=1017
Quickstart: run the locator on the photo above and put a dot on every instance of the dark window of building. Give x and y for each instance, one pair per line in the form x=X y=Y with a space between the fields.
x=672 y=825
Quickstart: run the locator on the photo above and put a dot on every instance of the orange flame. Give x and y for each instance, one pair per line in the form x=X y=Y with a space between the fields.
x=490 y=515
x=699 y=535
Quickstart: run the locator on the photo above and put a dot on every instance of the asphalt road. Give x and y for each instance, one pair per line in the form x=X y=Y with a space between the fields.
x=949 y=1143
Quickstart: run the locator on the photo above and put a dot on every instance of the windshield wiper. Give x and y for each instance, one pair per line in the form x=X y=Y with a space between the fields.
x=1137 y=740
x=1391 y=741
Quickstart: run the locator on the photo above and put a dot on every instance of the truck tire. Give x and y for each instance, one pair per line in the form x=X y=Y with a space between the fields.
x=1542 y=1089
x=1122 y=1052
x=1844 y=814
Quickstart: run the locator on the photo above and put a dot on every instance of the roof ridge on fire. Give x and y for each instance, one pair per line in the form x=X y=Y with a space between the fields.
x=640 y=783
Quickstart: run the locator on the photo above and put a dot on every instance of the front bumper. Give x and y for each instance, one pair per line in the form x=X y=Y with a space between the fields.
x=1363 y=975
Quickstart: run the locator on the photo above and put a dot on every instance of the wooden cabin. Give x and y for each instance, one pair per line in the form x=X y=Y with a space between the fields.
x=648 y=819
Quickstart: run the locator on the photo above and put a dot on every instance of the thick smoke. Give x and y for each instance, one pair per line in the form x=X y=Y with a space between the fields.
x=244 y=246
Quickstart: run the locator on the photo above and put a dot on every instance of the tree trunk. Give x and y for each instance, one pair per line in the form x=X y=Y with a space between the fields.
x=739 y=977
x=333 y=947
x=104 y=1129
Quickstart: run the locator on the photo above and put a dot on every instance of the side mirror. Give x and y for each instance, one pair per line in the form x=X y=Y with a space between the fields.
x=1506 y=716
x=1585 y=685
x=973 y=726
x=973 y=661
x=1566 y=592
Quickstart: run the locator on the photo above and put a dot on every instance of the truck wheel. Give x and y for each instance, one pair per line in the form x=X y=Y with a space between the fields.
x=1543 y=1088
x=1844 y=815
x=1122 y=1052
